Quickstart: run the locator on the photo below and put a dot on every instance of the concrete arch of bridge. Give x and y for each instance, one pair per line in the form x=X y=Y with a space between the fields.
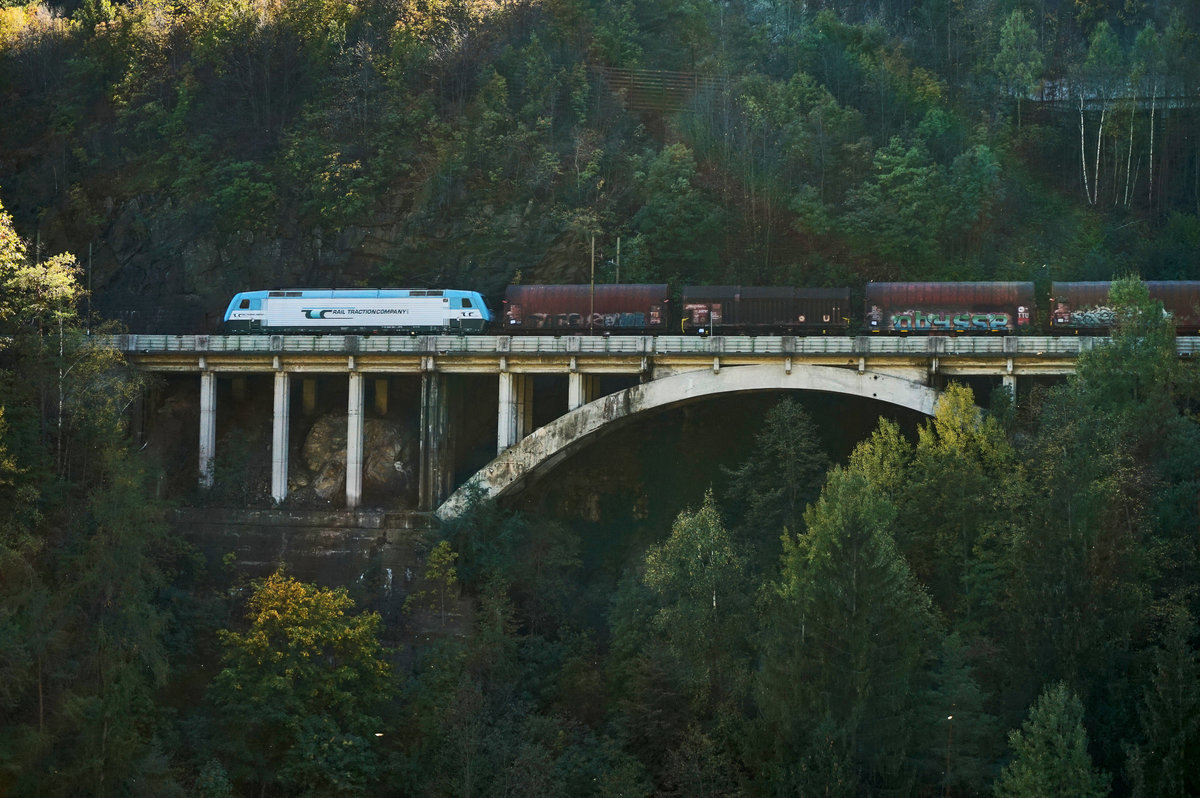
x=552 y=443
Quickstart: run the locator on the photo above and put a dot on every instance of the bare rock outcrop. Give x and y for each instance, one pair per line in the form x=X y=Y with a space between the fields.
x=390 y=452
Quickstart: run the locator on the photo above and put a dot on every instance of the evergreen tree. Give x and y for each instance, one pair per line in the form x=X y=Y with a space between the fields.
x=1050 y=756
x=959 y=502
x=1164 y=762
x=847 y=648
x=775 y=484
x=1112 y=464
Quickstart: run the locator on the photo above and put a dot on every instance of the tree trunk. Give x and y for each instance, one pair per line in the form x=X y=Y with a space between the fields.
x=1129 y=155
x=1083 y=154
x=1150 y=173
x=1096 y=162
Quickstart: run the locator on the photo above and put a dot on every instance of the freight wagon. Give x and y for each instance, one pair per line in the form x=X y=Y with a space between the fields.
x=358 y=310
x=737 y=310
x=1084 y=308
x=631 y=308
x=941 y=308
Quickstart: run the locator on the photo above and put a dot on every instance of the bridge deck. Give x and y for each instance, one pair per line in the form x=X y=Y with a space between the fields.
x=492 y=354
x=1064 y=346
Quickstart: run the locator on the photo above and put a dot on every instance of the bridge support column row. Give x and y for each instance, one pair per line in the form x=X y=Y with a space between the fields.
x=516 y=409
x=280 y=432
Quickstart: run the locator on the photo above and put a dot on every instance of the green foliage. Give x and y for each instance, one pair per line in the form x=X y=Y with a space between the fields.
x=34 y=292
x=898 y=212
x=783 y=474
x=1050 y=755
x=957 y=507
x=1161 y=763
x=847 y=650
x=82 y=549
x=964 y=739
x=300 y=696
x=1101 y=550
x=242 y=200
x=698 y=580
x=823 y=146
x=677 y=229
x=1019 y=62
x=441 y=577
x=212 y=782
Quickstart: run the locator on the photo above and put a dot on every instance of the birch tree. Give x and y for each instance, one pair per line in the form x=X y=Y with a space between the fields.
x=1099 y=82
x=1146 y=72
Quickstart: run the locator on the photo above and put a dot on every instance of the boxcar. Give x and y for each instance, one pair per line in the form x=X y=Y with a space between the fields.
x=358 y=310
x=1084 y=308
x=632 y=308
x=736 y=310
x=941 y=308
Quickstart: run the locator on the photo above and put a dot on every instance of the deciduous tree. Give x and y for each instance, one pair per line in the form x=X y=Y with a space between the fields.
x=300 y=696
x=698 y=577
x=1019 y=61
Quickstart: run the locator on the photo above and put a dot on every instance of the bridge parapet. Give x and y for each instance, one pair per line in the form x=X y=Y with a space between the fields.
x=1045 y=346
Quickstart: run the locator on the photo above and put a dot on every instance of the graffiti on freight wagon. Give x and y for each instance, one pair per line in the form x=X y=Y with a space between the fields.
x=1099 y=316
x=950 y=321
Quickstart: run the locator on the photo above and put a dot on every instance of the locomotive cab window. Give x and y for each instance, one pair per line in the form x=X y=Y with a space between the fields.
x=467 y=303
x=245 y=305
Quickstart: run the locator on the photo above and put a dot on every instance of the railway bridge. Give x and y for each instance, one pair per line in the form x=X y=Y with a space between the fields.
x=610 y=381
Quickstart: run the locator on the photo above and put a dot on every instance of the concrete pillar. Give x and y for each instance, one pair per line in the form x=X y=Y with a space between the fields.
x=354 y=441
x=309 y=387
x=516 y=409
x=506 y=420
x=581 y=389
x=381 y=396
x=208 y=426
x=279 y=436
x=437 y=467
x=1010 y=382
x=524 y=399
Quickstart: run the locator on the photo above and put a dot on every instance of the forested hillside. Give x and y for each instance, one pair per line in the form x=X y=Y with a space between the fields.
x=185 y=150
x=1000 y=603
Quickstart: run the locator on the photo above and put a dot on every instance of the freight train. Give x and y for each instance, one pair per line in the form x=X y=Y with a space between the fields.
x=647 y=309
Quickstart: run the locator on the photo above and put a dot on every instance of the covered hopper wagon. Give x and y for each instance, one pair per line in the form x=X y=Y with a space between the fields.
x=626 y=309
x=740 y=310
x=1084 y=308
x=941 y=308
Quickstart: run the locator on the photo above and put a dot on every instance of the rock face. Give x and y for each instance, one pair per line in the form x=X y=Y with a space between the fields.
x=390 y=453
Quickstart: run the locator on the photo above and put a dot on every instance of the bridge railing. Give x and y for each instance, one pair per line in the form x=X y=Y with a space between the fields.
x=646 y=345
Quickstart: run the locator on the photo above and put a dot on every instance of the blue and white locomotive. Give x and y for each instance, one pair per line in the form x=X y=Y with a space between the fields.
x=358 y=310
